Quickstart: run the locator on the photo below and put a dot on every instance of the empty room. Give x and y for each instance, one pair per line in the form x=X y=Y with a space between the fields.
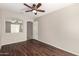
x=39 y=29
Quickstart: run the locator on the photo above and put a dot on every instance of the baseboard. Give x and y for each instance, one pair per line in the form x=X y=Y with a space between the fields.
x=61 y=48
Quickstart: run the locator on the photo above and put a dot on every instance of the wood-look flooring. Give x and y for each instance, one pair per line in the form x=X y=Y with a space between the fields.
x=32 y=47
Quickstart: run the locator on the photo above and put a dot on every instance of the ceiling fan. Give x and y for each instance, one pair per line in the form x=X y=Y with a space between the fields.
x=34 y=8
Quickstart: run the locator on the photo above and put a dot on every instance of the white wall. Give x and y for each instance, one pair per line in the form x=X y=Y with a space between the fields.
x=35 y=30
x=61 y=28
x=8 y=38
x=0 y=32
x=0 y=28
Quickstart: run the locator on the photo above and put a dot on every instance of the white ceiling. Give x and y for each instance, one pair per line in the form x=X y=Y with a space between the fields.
x=20 y=8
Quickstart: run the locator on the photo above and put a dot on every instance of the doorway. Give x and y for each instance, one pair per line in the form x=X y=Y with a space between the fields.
x=29 y=30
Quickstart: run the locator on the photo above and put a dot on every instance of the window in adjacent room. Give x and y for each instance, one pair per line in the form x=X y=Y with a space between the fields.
x=14 y=27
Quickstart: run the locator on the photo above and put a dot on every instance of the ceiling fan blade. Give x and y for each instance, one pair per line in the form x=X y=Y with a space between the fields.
x=27 y=5
x=28 y=11
x=41 y=10
x=38 y=5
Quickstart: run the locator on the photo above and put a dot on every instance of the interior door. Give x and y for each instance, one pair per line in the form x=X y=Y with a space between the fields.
x=29 y=30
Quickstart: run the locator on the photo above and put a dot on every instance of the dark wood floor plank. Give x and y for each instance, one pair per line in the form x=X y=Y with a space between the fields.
x=33 y=47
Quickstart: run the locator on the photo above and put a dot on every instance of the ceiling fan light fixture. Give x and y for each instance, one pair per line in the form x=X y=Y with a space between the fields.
x=34 y=11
